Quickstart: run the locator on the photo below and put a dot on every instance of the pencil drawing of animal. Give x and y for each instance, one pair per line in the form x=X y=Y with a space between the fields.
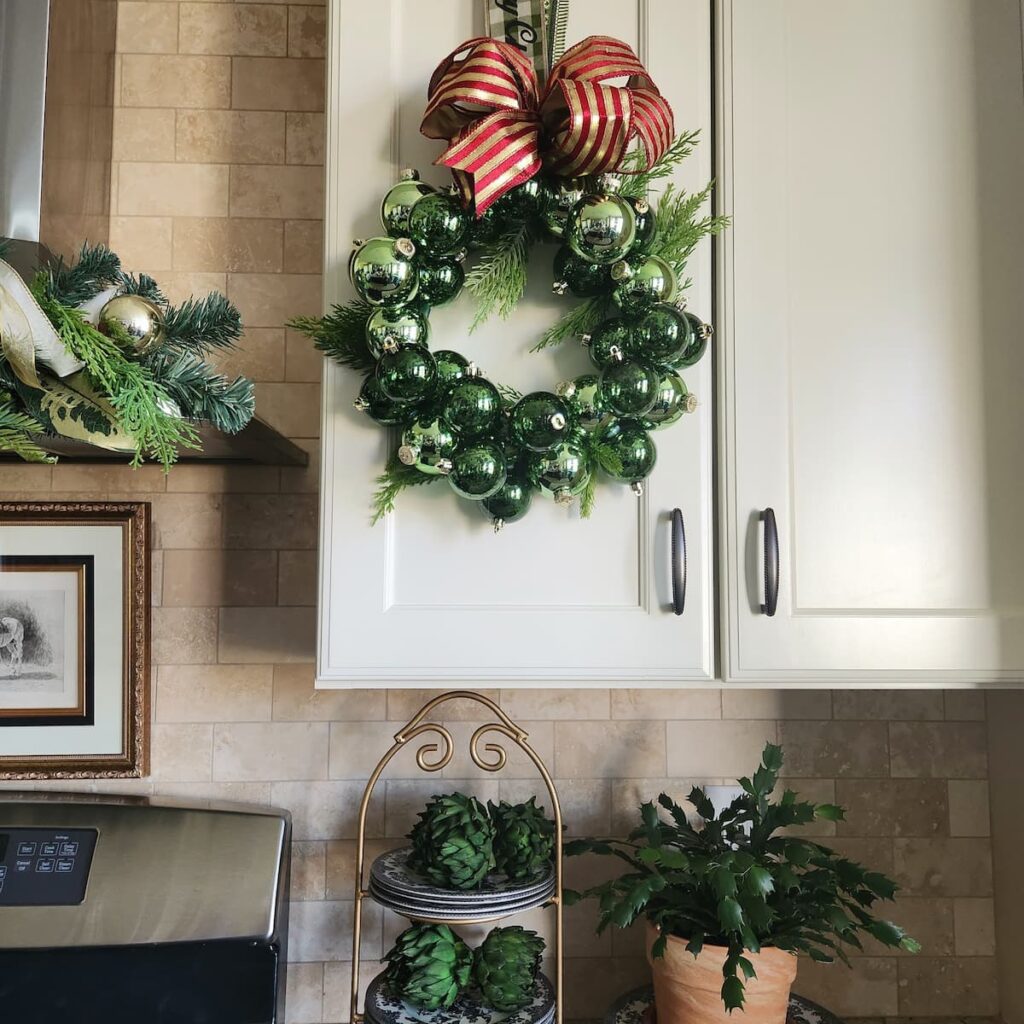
x=12 y=641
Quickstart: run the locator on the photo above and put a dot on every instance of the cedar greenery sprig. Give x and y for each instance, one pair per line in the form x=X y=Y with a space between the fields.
x=340 y=334
x=16 y=430
x=681 y=227
x=639 y=183
x=581 y=319
x=599 y=456
x=498 y=280
x=395 y=479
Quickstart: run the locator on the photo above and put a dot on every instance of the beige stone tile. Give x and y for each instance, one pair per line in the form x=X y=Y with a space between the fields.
x=156 y=578
x=296 y=582
x=405 y=798
x=941 y=750
x=322 y=930
x=106 y=480
x=277 y=83
x=338 y=987
x=307 y=31
x=184 y=636
x=303 y=246
x=834 y=749
x=239 y=29
x=172 y=190
x=356 y=747
x=267 y=635
x=231 y=136
x=303 y=361
x=303 y=479
x=874 y=853
x=210 y=478
x=305 y=999
x=271 y=300
x=305 y=138
x=717 y=749
x=175 y=81
x=656 y=704
x=193 y=577
x=341 y=864
x=187 y=520
x=309 y=870
x=270 y=521
x=403 y=704
x=601 y=750
x=890 y=705
x=33 y=479
x=256 y=793
x=292 y=192
x=930 y=921
x=817 y=791
x=943 y=867
x=214 y=693
x=142 y=241
x=180 y=285
x=259 y=355
x=518 y=765
x=628 y=794
x=584 y=703
x=182 y=753
x=585 y=803
x=142 y=133
x=296 y=699
x=292 y=408
x=947 y=987
x=965 y=705
x=777 y=704
x=327 y=810
x=974 y=921
x=228 y=244
x=147 y=27
x=968 y=808
x=893 y=807
x=593 y=983
x=869 y=988
x=276 y=750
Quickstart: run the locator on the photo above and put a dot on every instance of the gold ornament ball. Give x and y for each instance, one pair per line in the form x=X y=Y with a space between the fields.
x=134 y=320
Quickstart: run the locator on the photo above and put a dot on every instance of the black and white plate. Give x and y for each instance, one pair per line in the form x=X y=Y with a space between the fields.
x=633 y=1006
x=384 y=1008
x=448 y=912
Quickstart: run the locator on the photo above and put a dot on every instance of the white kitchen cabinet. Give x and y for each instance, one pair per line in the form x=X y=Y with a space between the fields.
x=432 y=596
x=871 y=332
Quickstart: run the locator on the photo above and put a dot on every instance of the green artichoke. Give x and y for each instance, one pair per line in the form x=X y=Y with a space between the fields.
x=429 y=966
x=505 y=967
x=524 y=839
x=452 y=843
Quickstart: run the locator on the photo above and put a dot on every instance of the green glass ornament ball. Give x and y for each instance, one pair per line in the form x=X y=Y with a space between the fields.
x=698 y=343
x=563 y=472
x=398 y=203
x=557 y=197
x=428 y=444
x=580 y=277
x=519 y=203
x=671 y=401
x=646 y=223
x=440 y=282
x=438 y=225
x=487 y=227
x=634 y=449
x=478 y=471
x=643 y=281
x=382 y=409
x=629 y=387
x=472 y=407
x=389 y=328
x=540 y=421
x=586 y=402
x=601 y=228
x=509 y=503
x=407 y=374
x=609 y=342
x=383 y=272
x=451 y=366
x=662 y=334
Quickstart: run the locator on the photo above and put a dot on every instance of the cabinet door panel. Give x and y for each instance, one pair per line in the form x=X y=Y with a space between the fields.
x=431 y=593
x=872 y=155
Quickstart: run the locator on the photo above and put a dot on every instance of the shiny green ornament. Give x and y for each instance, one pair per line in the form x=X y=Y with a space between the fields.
x=663 y=334
x=441 y=281
x=505 y=967
x=601 y=228
x=540 y=421
x=388 y=329
x=524 y=838
x=629 y=387
x=510 y=502
x=641 y=282
x=478 y=471
x=698 y=344
x=586 y=403
x=429 y=966
x=451 y=366
x=472 y=407
x=398 y=202
x=438 y=225
x=646 y=223
x=428 y=444
x=672 y=400
x=557 y=198
x=488 y=227
x=574 y=274
x=609 y=342
x=407 y=374
x=382 y=409
x=563 y=472
x=635 y=450
x=383 y=272
x=519 y=203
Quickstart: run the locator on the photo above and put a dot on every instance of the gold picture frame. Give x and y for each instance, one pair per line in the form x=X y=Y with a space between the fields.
x=74 y=640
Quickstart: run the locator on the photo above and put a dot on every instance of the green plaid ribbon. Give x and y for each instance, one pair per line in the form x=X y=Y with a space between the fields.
x=522 y=24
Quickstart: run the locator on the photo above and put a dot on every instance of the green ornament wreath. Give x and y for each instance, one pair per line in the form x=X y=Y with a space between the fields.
x=622 y=255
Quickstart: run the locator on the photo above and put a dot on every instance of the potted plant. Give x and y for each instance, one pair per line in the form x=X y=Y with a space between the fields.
x=730 y=904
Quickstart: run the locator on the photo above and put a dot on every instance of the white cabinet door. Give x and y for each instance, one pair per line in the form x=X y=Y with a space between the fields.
x=432 y=594
x=872 y=338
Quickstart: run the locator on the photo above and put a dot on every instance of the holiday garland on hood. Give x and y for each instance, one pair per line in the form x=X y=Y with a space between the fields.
x=92 y=353
x=530 y=166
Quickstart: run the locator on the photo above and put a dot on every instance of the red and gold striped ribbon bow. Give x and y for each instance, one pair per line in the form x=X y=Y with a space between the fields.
x=483 y=99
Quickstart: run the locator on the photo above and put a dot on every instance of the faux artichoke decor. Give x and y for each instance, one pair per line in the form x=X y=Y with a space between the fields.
x=452 y=843
x=505 y=967
x=524 y=838
x=429 y=966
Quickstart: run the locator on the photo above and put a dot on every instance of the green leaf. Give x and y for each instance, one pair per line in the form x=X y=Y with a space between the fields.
x=723 y=881
x=746 y=967
x=819 y=956
x=649 y=855
x=759 y=881
x=659 y=946
x=732 y=994
x=730 y=914
x=887 y=933
x=772 y=756
x=829 y=812
x=571 y=897
x=910 y=945
x=704 y=807
x=880 y=885
x=696 y=943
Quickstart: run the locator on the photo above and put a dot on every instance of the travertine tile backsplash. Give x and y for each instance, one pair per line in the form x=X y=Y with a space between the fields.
x=218 y=184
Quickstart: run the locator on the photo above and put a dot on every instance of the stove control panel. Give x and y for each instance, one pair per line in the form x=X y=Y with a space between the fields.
x=44 y=867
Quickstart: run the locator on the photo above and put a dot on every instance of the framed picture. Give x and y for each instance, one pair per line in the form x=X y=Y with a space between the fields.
x=74 y=640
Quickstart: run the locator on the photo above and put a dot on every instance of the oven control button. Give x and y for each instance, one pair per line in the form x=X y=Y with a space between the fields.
x=48 y=849
x=26 y=849
x=44 y=864
x=69 y=849
x=21 y=866
x=65 y=864
x=3 y=872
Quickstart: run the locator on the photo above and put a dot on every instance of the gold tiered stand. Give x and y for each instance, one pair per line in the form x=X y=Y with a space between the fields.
x=432 y=757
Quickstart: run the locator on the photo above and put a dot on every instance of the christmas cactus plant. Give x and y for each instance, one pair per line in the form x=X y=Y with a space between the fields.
x=742 y=881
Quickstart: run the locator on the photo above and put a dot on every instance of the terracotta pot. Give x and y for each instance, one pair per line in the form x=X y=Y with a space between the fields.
x=688 y=989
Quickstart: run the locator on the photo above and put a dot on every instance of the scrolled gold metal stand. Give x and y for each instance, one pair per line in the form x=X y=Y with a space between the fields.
x=431 y=757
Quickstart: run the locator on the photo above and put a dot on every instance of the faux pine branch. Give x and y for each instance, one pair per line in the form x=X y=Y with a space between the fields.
x=341 y=334
x=200 y=325
x=581 y=319
x=395 y=479
x=96 y=269
x=204 y=394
